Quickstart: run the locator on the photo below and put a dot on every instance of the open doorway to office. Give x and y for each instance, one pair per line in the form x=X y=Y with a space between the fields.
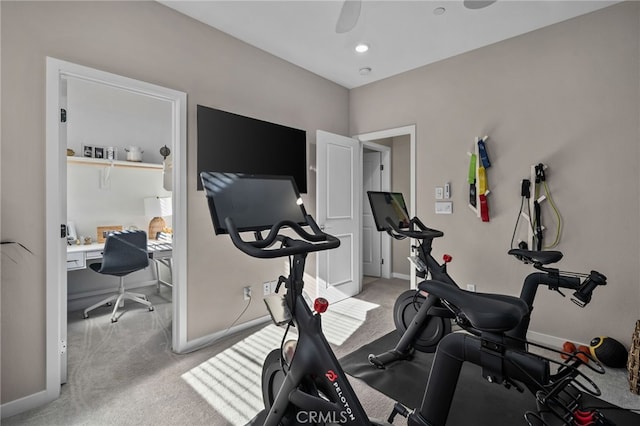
x=116 y=177
x=59 y=75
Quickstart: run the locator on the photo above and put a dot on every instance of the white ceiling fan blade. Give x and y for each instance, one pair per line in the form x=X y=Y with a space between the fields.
x=348 y=16
x=477 y=4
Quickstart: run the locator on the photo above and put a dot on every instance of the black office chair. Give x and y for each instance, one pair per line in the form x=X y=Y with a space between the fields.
x=124 y=252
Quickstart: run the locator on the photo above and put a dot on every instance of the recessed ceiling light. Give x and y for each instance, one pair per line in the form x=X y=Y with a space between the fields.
x=362 y=47
x=439 y=11
x=364 y=71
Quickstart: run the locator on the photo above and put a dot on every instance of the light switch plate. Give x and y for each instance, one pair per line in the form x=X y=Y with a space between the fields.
x=439 y=193
x=444 y=207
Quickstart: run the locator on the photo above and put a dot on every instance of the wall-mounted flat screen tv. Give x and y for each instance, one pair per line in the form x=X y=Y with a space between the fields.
x=233 y=143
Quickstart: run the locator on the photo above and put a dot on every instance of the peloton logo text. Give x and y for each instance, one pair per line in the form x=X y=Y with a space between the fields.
x=329 y=417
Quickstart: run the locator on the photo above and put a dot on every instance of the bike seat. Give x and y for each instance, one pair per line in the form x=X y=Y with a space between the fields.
x=485 y=312
x=539 y=257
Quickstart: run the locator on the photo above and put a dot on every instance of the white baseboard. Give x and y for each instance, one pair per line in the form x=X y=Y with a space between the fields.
x=553 y=341
x=400 y=276
x=201 y=342
x=23 y=404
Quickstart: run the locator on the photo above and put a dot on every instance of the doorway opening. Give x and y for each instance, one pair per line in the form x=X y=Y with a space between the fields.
x=58 y=74
x=395 y=172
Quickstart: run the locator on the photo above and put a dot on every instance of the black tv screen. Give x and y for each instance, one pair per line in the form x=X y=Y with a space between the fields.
x=233 y=143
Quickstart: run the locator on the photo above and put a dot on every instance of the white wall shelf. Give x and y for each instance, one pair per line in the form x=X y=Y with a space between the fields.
x=115 y=163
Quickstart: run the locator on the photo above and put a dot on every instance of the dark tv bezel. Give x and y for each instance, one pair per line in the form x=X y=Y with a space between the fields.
x=201 y=162
x=221 y=228
x=375 y=219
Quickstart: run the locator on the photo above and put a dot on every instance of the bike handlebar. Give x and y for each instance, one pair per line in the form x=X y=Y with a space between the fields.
x=423 y=234
x=309 y=242
x=582 y=296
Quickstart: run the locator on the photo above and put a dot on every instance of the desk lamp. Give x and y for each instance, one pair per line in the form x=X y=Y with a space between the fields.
x=157 y=207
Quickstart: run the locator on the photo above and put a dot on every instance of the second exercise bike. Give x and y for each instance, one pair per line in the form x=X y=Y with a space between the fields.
x=422 y=328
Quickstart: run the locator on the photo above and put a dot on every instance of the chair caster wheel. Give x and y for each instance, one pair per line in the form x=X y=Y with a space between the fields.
x=151 y=308
x=114 y=319
x=85 y=316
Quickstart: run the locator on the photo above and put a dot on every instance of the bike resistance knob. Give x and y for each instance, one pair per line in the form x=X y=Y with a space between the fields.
x=320 y=305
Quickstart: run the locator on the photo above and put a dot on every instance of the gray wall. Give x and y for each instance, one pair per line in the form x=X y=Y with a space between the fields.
x=567 y=96
x=149 y=42
x=100 y=115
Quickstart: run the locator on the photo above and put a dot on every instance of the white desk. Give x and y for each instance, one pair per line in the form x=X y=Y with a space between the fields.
x=159 y=252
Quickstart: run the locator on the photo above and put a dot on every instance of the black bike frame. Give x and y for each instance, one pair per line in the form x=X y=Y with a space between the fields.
x=438 y=272
x=458 y=348
x=313 y=358
x=551 y=278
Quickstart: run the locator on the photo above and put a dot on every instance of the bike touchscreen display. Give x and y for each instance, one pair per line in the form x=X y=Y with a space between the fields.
x=254 y=203
x=388 y=205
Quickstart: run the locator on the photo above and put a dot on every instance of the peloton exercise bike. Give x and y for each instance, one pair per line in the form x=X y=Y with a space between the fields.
x=303 y=382
x=422 y=327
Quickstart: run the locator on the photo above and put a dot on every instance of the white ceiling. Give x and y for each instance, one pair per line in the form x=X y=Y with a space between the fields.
x=402 y=35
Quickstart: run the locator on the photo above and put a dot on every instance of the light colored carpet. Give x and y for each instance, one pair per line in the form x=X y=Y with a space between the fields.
x=126 y=374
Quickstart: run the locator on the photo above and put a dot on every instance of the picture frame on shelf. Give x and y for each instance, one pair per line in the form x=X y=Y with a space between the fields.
x=87 y=151
x=98 y=152
x=111 y=153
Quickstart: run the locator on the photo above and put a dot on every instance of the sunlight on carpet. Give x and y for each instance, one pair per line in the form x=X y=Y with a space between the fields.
x=344 y=318
x=231 y=381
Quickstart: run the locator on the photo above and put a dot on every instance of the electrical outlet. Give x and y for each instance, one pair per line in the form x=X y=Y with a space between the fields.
x=246 y=293
x=471 y=287
x=266 y=288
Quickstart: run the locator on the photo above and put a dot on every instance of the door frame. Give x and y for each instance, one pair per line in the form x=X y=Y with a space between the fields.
x=385 y=185
x=367 y=139
x=56 y=194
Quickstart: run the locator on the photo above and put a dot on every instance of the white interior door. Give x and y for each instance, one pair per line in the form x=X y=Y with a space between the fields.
x=371 y=238
x=338 y=212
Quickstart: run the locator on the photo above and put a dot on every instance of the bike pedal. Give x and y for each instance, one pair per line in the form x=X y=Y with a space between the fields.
x=373 y=360
x=398 y=409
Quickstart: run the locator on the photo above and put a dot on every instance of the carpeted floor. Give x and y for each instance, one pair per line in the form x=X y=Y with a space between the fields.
x=126 y=374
